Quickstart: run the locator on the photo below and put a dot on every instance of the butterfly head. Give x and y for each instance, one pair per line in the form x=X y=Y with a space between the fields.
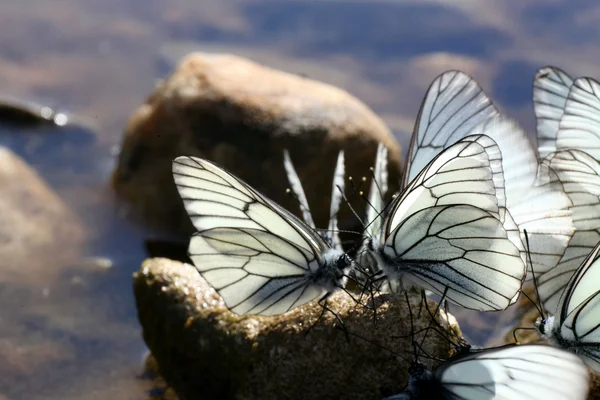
x=333 y=273
x=544 y=326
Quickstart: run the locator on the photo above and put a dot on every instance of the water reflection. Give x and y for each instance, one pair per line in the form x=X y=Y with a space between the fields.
x=74 y=333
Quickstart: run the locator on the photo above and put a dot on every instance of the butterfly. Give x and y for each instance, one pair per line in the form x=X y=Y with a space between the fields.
x=575 y=326
x=456 y=106
x=551 y=87
x=579 y=173
x=375 y=208
x=331 y=235
x=444 y=233
x=511 y=372
x=259 y=257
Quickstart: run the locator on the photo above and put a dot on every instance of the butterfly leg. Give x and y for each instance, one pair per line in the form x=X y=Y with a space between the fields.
x=323 y=303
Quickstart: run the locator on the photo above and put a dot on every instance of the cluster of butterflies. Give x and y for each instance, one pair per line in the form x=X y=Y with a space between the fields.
x=480 y=212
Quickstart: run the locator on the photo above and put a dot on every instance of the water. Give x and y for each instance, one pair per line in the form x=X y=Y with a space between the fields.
x=72 y=333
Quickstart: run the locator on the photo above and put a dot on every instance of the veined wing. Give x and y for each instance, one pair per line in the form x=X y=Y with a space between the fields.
x=444 y=231
x=516 y=372
x=260 y=257
x=461 y=174
x=551 y=87
x=535 y=199
x=453 y=106
x=377 y=191
x=579 y=174
x=296 y=187
x=580 y=124
x=331 y=235
x=338 y=186
x=459 y=251
x=578 y=311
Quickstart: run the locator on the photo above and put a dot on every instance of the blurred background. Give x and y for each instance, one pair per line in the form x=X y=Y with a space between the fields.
x=68 y=327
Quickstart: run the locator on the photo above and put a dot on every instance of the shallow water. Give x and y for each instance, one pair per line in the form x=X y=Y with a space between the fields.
x=75 y=335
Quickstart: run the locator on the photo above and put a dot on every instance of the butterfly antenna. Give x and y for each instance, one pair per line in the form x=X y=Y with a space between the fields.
x=379 y=189
x=537 y=305
x=350 y=206
x=432 y=319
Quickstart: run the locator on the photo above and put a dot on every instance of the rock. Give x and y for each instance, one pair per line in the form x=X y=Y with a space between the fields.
x=39 y=236
x=242 y=115
x=204 y=351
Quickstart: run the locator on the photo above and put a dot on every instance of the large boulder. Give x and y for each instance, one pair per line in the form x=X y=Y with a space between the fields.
x=204 y=351
x=242 y=115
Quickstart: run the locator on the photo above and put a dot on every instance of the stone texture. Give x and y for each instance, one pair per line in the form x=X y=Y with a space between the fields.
x=204 y=351
x=242 y=115
x=38 y=233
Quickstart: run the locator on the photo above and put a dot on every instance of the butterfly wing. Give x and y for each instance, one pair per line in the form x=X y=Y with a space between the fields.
x=453 y=106
x=579 y=174
x=516 y=372
x=258 y=256
x=296 y=187
x=551 y=87
x=445 y=232
x=577 y=313
x=580 y=124
x=536 y=201
x=332 y=234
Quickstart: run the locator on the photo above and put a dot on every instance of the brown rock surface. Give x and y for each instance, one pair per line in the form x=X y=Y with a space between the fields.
x=204 y=351
x=38 y=233
x=242 y=115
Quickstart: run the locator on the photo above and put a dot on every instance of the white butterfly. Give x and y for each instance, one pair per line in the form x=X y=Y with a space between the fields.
x=444 y=233
x=580 y=125
x=455 y=106
x=331 y=235
x=551 y=87
x=576 y=324
x=375 y=208
x=257 y=255
x=515 y=372
x=579 y=174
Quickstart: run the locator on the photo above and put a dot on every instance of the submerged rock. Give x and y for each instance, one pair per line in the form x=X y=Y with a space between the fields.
x=204 y=351
x=242 y=115
x=39 y=235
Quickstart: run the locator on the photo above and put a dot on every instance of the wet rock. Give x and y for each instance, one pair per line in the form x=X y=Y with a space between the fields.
x=242 y=115
x=38 y=233
x=204 y=351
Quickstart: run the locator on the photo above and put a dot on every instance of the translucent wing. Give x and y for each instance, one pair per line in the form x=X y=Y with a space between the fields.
x=377 y=192
x=578 y=310
x=258 y=256
x=535 y=199
x=550 y=91
x=453 y=106
x=517 y=372
x=374 y=217
x=579 y=174
x=444 y=231
x=580 y=124
x=297 y=188
x=332 y=234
